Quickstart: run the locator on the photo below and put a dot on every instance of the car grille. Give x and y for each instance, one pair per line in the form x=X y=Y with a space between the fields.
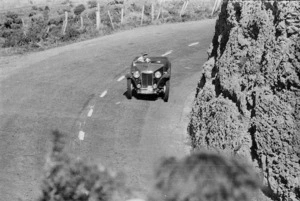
x=147 y=79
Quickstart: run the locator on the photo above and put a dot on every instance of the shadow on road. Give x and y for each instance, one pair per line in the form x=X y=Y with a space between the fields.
x=146 y=97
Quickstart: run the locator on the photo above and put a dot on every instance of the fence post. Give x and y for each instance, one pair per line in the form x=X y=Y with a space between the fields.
x=187 y=2
x=143 y=10
x=98 y=19
x=81 y=22
x=23 y=27
x=65 y=23
x=152 y=12
x=110 y=20
x=122 y=14
x=214 y=8
x=181 y=11
x=159 y=10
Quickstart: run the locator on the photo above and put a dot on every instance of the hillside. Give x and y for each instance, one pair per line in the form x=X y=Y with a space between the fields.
x=247 y=100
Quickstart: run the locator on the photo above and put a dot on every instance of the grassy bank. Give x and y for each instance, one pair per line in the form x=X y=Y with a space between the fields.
x=42 y=27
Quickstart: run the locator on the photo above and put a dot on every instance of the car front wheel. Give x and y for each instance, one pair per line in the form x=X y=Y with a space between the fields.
x=166 y=91
x=129 y=89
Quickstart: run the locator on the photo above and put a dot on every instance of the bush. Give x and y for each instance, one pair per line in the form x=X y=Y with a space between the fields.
x=71 y=34
x=16 y=38
x=205 y=176
x=70 y=179
x=32 y=13
x=34 y=8
x=92 y=14
x=11 y=19
x=79 y=9
x=11 y=30
x=12 y=15
x=92 y=4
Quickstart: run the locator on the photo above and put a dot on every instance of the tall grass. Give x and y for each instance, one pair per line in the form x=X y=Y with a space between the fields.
x=42 y=27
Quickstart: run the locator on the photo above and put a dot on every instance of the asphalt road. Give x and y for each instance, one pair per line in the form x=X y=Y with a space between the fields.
x=79 y=89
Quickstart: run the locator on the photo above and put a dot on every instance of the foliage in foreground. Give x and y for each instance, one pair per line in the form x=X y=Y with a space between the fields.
x=205 y=176
x=70 y=179
x=201 y=176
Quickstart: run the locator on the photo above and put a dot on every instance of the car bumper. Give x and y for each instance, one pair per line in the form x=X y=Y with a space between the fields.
x=148 y=90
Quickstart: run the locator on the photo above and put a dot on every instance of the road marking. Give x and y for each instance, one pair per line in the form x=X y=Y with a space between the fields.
x=192 y=44
x=121 y=78
x=135 y=199
x=103 y=94
x=167 y=53
x=188 y=67
x=117 y=103
x=81 y=135
x=91 y=111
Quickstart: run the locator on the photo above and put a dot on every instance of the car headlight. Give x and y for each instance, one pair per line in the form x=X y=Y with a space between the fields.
x=157 y=74
x=136 y=74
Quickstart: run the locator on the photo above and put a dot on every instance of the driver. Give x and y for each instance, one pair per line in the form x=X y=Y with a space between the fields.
x=143 y=58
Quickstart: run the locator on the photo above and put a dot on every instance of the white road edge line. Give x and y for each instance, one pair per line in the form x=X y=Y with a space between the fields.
x=167 y=53
x=192 y=44
x=135 y=199
x=121 y=78
x=103 y=94
x=81 y=135
x=91 y=111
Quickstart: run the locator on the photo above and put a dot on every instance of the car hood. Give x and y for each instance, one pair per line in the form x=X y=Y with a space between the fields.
x=148 y=67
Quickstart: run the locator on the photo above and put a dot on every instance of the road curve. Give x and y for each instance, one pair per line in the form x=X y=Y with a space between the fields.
x=79 y=89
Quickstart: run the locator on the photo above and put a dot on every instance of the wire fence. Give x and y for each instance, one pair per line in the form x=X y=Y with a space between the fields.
x=10 y=5
x=41 y=27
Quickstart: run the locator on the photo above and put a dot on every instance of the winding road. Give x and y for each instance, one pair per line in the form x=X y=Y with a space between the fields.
x=79 y=89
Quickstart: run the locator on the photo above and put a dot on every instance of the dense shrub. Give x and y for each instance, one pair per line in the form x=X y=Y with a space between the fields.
x=79 y=9
x=70 y=179
x=92 y=4
x=57 y=20
x=12 y=19
x=11 y=31
x=34 y=8
x=15 y=38
x=205 y=176
x=71 y=34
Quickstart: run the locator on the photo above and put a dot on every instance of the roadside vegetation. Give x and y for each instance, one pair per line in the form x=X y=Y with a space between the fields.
x=205 y=176
x=67 y=178
x=39 y=28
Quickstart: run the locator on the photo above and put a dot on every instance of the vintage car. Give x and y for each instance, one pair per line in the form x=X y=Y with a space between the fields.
x=149 y=77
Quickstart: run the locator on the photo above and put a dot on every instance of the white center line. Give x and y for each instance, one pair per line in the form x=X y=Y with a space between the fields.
x=188 y=67
x=121 y=78
x=192 y=44
x=135 y=199
x=90 y=112
x=81 y=135
x=167 y=53
x=117 y=103
x=103 y=94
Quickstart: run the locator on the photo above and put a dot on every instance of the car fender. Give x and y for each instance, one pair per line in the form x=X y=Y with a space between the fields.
x=128 y=76
x=163 y=79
